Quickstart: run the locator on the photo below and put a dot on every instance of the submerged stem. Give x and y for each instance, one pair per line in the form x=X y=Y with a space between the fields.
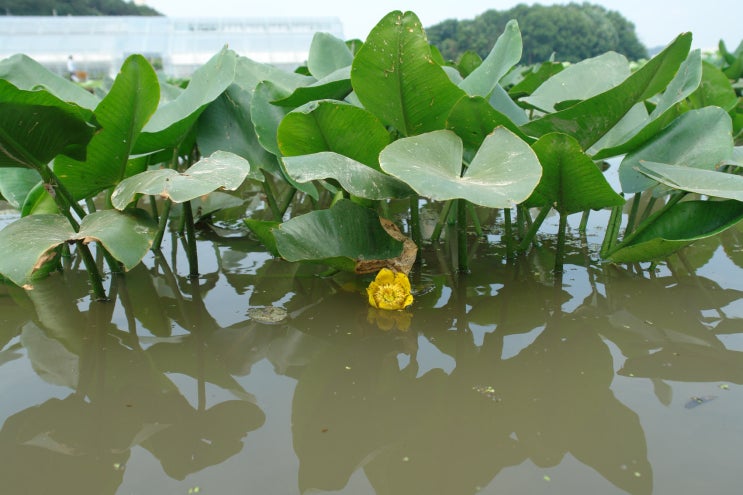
x=561 y=238
x=462 y=261
x=191 y=252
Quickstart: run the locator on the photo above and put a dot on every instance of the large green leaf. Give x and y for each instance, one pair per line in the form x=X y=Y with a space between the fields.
x=356 y=178
x=27 y=74
x=707 y=182
x=506 y=53
x=334 y=86
x=36 y=126
x=123 y=113
x=473 y=118
x=173 y=121
x=327 y=54
x=699 y=138
x=571 y=181
x=637 y=127
x=127 y=236
x=15 y=184
x=221 y=170
x=503 y=173
x=684 y=223
x=580 y=81
x=339 y=237
x=29 y=242
x=331 y=125
x=266 y=116
x=226 y=125
x=590 y=119
x=395 y=77
x=715 y=89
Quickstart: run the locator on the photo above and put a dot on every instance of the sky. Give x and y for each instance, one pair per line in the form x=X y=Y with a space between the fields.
x=656 y=22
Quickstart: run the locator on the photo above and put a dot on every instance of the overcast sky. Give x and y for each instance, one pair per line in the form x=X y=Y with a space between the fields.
x=657 y=22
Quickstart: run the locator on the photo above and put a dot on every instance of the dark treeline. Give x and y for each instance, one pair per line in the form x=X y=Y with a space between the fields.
x=573 y=32
x=74 y=7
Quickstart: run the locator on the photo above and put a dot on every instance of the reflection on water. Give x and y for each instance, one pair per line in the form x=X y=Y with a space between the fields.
x=504 y=380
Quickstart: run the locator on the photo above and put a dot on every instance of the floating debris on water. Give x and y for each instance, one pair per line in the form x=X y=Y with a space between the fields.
x=486 y=391
x=696 y=401
x=268 y=314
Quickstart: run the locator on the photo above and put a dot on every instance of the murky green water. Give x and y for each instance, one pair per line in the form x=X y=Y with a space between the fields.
x=503 y=381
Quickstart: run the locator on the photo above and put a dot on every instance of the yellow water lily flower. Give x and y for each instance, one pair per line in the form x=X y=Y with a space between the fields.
x=390 y=290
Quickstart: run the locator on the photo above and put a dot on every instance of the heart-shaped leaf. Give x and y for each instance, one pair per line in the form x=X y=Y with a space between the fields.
x=503 y=173
x=327 y=54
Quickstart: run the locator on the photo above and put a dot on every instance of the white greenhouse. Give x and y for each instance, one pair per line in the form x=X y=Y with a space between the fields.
x=98 y=45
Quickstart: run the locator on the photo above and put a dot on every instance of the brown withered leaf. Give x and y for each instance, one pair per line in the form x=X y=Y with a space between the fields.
x=403 y=263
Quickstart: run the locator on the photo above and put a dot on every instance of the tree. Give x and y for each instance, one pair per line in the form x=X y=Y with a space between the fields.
x=74 y=7
x=572 y=32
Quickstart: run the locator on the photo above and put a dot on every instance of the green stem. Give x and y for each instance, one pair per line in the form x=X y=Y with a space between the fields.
x=153 y=208
x=532 y=232
x=442 y=220
x=161 y=224
x=633 y=214
x=463 y=263
x=93 y=274
x=509 y=233
x=584 y=221
x=561 y=237
x=475 y=219
x=270 y=198
x=612 y=231
x=191 y=252
x=415 y=219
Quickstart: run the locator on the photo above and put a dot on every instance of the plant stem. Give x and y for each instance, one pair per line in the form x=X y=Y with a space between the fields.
x=584 y=221
x=153 y=208
x=191 y=252
x=561 y=236
x=532 y=232
x=612 y=230
x=93 y=274
x=509 y=233
x=442 y=220
x=161 y=224
x=415 y=219
x=462 y=235
x=474 y=218
x=633 y=214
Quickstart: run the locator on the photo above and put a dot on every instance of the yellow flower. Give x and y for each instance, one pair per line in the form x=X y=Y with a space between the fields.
x=390 y=290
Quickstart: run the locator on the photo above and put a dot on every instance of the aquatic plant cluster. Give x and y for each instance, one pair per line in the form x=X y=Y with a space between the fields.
x=320 y=158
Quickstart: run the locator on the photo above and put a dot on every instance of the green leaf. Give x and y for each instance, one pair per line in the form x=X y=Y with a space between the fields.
x=266 y=116
x=503 y=173
x=127 y=236
x=173 y=121
x=684 y=223
x=220 y=170
x=707 y=182
x=580 y=81
x=356 y=178
x=15 y=184
x=715 y=89
x=395 y=77
x=335 y=86
x=338 y=237
x=637 y=127
x=590 y=119
x=327 y=54
x=28 y=242
x=36 y=126
x=699 y=138
x=123 y=113
x=506 y=53
x=226 y=125
x=38 y=201
x=571 y=181
x=27 y=74
x=473 y=118
x=333 y=126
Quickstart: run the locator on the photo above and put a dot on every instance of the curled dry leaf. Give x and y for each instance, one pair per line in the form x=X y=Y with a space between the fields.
x=402 y=263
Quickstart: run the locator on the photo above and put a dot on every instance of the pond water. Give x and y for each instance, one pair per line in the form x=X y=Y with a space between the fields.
x=609 y=379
